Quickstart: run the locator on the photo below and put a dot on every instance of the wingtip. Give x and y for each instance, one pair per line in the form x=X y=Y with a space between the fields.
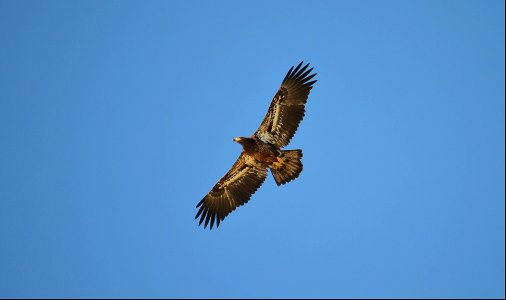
x=204 y=213
x=298 y=67
x=208 y=219
x=200 y=210
x=295 y=71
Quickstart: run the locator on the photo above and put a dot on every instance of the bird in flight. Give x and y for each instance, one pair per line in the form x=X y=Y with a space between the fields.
x=262 y=150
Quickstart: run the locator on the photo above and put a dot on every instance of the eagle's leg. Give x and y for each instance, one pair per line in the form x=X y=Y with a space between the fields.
x=279 y=163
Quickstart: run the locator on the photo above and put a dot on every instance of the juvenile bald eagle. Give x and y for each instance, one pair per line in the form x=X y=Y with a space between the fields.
x=262 y=150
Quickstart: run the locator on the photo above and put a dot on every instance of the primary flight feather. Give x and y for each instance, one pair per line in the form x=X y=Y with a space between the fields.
x=262 y=150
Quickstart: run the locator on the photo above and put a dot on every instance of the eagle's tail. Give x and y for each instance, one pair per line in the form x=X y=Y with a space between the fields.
x=288 y=166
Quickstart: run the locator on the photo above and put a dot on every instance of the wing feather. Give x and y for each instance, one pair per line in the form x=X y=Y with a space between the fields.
x=232 y=190
x=287 y=108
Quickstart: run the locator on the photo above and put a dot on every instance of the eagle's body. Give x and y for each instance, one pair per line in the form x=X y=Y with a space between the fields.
x=262 y=150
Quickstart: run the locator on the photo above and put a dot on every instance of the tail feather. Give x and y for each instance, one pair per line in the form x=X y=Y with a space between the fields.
x=288 y=168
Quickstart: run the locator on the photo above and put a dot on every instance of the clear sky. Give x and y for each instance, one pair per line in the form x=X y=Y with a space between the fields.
x=117 y=117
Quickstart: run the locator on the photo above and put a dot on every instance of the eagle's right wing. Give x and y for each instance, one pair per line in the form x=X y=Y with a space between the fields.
x=233 y=190
x=287 y=107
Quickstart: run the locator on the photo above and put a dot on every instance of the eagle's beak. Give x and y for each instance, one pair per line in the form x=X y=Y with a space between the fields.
x=237 y=139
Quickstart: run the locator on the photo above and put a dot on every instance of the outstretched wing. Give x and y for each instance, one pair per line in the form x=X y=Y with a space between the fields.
x=287 y=107
x=233 y=190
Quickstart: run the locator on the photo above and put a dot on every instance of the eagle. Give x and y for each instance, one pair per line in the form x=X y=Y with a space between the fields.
x=262 y=150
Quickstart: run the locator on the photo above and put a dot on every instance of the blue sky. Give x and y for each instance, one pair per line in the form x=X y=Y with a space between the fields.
x=117 y=117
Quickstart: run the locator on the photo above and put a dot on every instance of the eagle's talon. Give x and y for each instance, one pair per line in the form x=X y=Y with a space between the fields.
x=278 y=164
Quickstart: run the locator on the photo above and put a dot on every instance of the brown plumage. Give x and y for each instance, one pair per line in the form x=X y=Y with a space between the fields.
x=262 y=150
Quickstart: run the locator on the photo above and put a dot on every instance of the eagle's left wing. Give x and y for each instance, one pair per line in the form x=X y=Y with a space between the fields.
x=287 y=107
x=233 y=190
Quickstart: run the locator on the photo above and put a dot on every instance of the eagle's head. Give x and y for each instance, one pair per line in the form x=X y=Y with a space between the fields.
x=244 y=141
